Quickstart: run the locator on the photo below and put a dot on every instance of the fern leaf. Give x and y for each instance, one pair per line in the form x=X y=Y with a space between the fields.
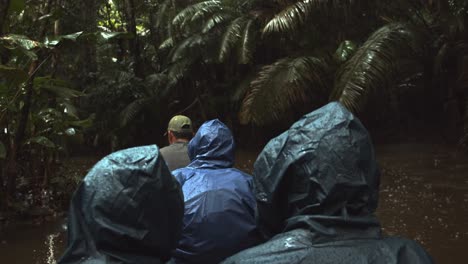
x=373 y=66
x=231 y=37
x=187 y=14
x=282 y=85
x=247 y=43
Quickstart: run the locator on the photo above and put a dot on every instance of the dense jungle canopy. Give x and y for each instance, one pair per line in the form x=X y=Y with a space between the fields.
x=100 y=75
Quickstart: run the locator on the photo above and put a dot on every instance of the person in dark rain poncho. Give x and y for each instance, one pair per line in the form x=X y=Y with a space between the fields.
x=317 y=188
x=219 y=217
x=127 y=210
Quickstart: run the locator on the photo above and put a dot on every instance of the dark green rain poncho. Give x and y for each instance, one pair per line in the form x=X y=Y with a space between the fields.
x=317 y=188
x=128 y=209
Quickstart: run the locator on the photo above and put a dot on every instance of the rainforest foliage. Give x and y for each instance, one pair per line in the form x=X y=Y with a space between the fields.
x=100 y=75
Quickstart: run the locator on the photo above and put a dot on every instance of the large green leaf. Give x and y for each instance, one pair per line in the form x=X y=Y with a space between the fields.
x=70 y=109
x=12 y=41
x=85 y=123
x=50 y=115
x=59 y=88
x=41 y=140
x=62 y=92
x=113 y=35
x=2 y=151
x=374 y=65
x=55 y=40
x=21 y=45
x=281 y=86
x=95 y=37
x=345 y=51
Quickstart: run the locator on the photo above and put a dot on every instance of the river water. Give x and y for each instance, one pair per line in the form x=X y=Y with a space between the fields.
x=423 y=196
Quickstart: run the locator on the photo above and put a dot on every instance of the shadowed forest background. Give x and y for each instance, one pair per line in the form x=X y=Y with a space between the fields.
x=84 y=78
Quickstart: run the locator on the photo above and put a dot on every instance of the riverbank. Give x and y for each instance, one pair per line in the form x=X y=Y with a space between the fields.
x=39 y=206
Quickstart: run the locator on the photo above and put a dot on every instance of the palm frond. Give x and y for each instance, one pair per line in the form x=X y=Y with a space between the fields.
x=132 y=110
x=243 y=87
x=167 y=44
x=203 y=13
x=231 y=37
x=290 y=18
x=373 y=66
x=215 y=20
x=199 y=8
x=188 y=47
x=440 y=58
x=294 y=15
x=178 y=71
x=282 y=85
x=167 y=10
x=246 y=49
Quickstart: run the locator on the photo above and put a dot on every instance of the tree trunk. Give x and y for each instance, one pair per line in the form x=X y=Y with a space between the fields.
x=133 y=42
x=152 y=11
x=83 y=17
x=12 y=165
x=12 y=169
x=3 y=13
x=3 y=20
x=90 y=21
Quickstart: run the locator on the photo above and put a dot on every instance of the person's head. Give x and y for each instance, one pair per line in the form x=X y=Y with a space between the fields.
x=322 y=170
x=213 y=142
x=179 y=129
x=128 y=208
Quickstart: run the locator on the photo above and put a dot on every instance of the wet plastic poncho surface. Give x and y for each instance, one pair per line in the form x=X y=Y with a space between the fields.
x=317 y=188
x=128 y=209
x=219 y=215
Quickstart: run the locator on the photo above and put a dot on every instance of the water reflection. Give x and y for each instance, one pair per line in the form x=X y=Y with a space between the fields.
x=24 y=243
x=423 y=196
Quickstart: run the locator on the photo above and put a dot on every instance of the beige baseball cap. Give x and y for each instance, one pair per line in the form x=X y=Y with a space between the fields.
x=180 y=123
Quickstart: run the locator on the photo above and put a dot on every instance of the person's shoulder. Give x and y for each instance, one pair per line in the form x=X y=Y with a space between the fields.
x=286 y=247
x=409 y=251
x=183 y=174
x=238 y=173
x=165 y=149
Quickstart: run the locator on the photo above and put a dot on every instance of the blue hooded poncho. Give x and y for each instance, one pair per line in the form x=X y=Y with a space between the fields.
x=317 y=188
x=219 y=217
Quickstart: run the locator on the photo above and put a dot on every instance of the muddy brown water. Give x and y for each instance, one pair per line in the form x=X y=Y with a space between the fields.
x=423 y=196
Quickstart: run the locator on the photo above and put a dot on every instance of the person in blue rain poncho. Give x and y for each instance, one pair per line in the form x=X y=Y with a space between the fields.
x=219 y=217
x=317 y=188
x=127 y=210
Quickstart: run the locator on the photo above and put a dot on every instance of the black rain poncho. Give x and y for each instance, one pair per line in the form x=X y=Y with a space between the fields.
x=317 y=188
x=128 y=209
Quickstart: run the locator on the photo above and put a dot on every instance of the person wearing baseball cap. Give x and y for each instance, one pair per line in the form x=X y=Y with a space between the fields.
x=179 y=132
